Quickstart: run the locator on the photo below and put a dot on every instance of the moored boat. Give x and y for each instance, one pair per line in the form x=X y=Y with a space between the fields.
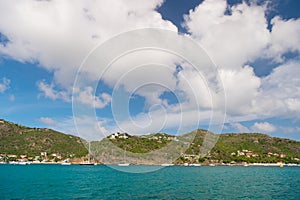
x=123 y=164
x=65 y=162
x=195 y=165
x=167 y=164
x=88 y=162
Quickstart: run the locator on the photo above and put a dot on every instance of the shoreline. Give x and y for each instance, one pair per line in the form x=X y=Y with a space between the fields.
x=163 y=165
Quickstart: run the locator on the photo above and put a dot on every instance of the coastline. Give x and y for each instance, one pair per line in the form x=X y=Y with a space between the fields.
x=181 y=165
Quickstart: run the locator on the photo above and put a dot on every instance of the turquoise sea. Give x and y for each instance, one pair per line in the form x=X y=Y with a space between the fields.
x=102 y=182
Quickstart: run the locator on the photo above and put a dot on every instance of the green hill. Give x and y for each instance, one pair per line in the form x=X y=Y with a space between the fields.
x=256 y=148
x=141 y=144
x=246 y=147
x=21 y=140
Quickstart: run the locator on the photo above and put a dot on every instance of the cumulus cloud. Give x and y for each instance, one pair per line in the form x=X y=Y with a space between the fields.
x=48 y=90
x=138 y=73
x=240 y=128
x=87 y=97
x=289 y=129
x=284 y=38
x=90 y=129
x=230 y=39
x=264 y=127
x=47 y=120
x=280 y=92
x=241 y=89
x=241 y=35
x=234 y=35
x=60 y=34
x=4 y=84
x=87 y=127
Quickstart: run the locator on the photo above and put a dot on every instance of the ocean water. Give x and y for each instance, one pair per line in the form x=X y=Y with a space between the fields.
x=102 y=182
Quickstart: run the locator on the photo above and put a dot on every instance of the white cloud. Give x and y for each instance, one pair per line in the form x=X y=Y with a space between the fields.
x=87 y=97
x=231 y=40
x=280 y=92
x=241 y=36
x=4 y=84
x=236 y=35
x=195 y=88
x=138 y=73
x=89 y=128
x=284 y=38
x=240 y=128
x=289 y=129
x=60 y=34
x=241 y=89
x=49 y=91
x=47 y=120
x=264 y=127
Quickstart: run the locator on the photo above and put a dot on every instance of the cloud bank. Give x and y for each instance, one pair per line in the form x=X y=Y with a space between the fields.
x=58 y=35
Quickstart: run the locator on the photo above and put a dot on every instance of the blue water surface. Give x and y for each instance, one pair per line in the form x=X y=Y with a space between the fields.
x=102 y=182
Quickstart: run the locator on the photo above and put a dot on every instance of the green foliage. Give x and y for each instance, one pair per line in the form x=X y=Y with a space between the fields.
x=17 y=139
x=256 y=143
x=144 y=144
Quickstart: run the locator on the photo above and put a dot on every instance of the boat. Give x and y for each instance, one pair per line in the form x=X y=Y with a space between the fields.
x=195 y=165
x=13 y=162
x=23 y=163
x=88 y=162
x=167 y=164
x=65 y=162
x=123 y=164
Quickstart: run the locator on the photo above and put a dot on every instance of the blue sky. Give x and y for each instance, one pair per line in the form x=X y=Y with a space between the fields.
x=254 y=44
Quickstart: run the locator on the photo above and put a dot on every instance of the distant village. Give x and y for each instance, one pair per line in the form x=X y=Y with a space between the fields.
x=157 y=137
x=250 y=154
x=42 y=158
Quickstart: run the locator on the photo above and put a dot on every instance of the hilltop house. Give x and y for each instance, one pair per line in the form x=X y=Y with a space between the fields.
x=118 y=135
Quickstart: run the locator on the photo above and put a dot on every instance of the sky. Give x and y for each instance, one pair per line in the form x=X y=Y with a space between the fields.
x=52 y=54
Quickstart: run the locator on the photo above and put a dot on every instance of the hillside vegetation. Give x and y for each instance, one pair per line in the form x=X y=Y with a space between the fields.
x=142 y=144
x=18 y=140
x=256 y=147
x=246 y=147
x=230 y=148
